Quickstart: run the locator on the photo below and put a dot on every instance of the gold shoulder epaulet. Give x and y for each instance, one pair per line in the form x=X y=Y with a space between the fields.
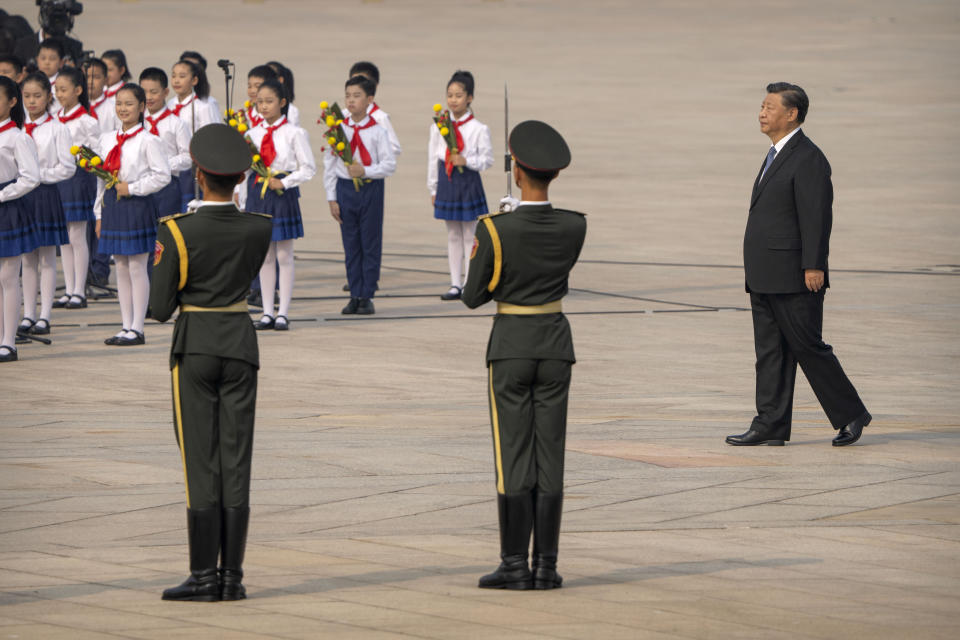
x=255 y=213
x=492 y=214
x=174 y=216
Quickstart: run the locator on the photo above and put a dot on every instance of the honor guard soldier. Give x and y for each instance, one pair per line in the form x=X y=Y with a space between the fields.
x=203 y=264
x=523 y=259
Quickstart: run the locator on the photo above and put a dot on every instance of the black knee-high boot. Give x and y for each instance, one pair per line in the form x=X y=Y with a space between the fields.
x=233 y=543
x=546 y=538
x=516 y=520
x=203 y=534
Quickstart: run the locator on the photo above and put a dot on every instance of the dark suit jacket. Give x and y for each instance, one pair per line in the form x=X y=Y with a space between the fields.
x=791 y=213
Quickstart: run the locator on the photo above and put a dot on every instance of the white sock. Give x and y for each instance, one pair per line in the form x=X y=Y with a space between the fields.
x=268 y=279
x=9 y=300
x=69 y=271
x=455 y=251
x=140 y=286
x=31 y=282
x=285 y=257
x=469 y=231
x=124 y=290
x=80 y=256
x=48 y=279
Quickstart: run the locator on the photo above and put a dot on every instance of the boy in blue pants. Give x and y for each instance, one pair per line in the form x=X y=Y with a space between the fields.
x=358 y=206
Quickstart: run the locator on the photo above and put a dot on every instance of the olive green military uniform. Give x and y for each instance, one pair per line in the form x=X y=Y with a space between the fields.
x=204 y=263
x=522 y=260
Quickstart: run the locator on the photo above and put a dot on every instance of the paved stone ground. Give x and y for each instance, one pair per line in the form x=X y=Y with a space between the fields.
x=373 y=510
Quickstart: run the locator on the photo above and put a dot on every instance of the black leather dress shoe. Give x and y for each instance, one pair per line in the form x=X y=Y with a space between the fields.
x=112 y=340
x=61 y=302
x=452 y=294
x=753 y=438
x=365 y=307
x=851 y=433
x=76 y=302
x=513 y=573
x=201 y=586
x=8 y=354
x=351 y=307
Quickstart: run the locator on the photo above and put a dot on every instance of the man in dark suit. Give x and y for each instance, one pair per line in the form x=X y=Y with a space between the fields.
x=203 y=264
x=785 y=249
x=56 y=19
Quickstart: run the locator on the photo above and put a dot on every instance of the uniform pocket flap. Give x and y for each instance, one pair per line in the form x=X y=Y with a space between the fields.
x=784 y=244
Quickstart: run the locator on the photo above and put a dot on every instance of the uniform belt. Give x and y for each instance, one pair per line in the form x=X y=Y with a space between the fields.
x=230 y=308
x=522 y=310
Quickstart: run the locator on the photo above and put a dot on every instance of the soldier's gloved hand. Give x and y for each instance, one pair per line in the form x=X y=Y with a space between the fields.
x=193 y=205
x=508 y=203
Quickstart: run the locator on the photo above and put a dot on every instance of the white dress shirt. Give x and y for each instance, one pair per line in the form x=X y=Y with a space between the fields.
x=84 y=130
x=53 y=142
x=477 y=149
x=294 y=156
x=176 y=140
x=143 y=164
x=106 y=110
x=195 y=113
x=383 y=162
x=383 y=119
x=19 y=162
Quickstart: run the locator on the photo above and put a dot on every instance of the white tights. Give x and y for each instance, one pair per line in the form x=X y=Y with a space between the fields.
x=279 y=252
x=75 y=258
x=39 y=267
x=9 y=300
x=459 y=245
x=133 y=289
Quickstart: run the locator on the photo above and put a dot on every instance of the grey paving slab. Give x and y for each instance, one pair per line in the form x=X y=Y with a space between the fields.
x=373 y=510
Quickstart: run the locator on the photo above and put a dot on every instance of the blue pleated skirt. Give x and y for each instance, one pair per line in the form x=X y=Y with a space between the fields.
x=187 y=190
x=77 y=195
x=128 y=226
x=285 y=209
x=168 y=200
x=46 y=211
x=459 y=197
x=16 y=229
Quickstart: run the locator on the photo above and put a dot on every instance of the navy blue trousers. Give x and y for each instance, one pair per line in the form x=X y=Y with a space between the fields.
x=362 y=234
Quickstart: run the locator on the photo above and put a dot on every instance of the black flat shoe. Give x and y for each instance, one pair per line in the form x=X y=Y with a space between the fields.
x=25 y=325
x=852 y=432
x=112 y=340
x=8 y=354
x=40 y=328
x=281 y=324
x=61 y=302
x=351 y=307
x=452 y=294
x=753 y=438
x=365 y=307
x=264 y=323
x=137 y=339
x=77 y=302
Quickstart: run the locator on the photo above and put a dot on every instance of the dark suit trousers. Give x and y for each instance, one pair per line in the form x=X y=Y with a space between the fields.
x=787 y=330
x=214 y=403
x=528 y=412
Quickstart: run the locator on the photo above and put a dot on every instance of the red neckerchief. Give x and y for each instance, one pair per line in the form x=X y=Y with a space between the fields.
x=356 y=142
x=30 y=126
x=375 y=108
x=177 y=108
x=94 y=105
x=77 y=113
x=107 y=93
x=447 y=164
x=112 y=161
x=9 y=125
x=153 y=121
x=254 y=118
x=268 y=152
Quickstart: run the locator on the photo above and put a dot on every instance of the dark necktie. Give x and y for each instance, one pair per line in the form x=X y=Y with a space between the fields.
x=770 y=156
